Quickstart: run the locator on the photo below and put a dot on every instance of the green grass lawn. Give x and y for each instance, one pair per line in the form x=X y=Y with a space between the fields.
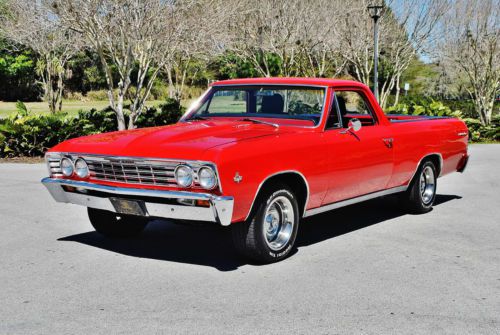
x=71 y=107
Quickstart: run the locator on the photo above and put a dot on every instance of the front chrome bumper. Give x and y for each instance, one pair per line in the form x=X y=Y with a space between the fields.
x=98 y=196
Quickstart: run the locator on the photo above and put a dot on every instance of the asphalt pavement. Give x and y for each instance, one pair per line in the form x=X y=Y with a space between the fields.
x=364 y=269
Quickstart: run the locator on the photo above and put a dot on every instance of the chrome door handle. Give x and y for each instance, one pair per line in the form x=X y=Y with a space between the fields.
x=388 y=142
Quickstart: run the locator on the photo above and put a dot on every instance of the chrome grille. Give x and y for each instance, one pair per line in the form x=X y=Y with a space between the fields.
x=54 y=165
x=132 y=171
x=129 y=170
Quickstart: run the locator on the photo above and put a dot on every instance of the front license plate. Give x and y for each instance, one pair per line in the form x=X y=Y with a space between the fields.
x=131 y=207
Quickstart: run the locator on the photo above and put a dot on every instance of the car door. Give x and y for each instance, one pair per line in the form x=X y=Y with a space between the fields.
x=360 y=162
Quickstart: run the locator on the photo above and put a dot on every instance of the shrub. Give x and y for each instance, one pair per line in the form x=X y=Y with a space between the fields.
x=168 y=113
x=100 y=95
x=431 y=108
x=159 y=91
x=32 y=135
x=484 y=133
x=77 y=96
x=192 y=92
x=26 y=134
x=436 y=108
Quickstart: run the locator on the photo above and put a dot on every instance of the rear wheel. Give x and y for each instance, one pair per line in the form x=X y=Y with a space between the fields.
x=116 y=225
x=269 y=233
x=421 y=193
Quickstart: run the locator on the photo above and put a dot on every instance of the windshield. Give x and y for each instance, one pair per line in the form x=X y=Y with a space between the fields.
x=263 y=101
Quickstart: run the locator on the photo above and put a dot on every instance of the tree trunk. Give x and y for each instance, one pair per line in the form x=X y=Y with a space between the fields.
x=484 y=110
x=398 y=90
x=60 y=87
x=49 y=88
x=171 y=88
x=120 y=116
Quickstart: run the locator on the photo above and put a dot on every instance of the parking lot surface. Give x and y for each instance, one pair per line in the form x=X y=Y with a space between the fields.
x=364 y=269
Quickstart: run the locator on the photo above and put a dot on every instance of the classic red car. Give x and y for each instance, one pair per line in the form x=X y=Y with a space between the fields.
x=258 y=155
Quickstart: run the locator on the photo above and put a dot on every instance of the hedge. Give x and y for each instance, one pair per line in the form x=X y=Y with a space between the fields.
x=26 y=134
x=479 y=132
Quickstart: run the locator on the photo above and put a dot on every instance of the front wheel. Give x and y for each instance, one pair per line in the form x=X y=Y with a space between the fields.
x=116 y=225
x=269 y=233
x=421 y=193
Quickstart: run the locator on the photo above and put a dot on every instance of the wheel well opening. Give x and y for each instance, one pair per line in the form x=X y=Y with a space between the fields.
x=436 y=160
x=293 y=180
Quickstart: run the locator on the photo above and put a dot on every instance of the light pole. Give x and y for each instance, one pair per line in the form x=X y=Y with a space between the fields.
x=375 y=13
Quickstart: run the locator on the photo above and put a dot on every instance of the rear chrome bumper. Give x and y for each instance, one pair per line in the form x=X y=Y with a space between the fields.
x=98 y=196
x=463 y=164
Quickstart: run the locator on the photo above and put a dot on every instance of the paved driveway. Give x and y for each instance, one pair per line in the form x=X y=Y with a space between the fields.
x=364 y=269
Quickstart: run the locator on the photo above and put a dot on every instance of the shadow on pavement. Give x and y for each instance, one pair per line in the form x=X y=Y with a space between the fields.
x=212 y=246
x=348 y=219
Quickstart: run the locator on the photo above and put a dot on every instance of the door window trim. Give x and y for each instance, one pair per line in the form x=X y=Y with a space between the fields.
x=333 y=104
x=365 y=100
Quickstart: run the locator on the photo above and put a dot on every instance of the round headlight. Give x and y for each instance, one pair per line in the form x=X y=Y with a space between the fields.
x=184 y=176
x=206 y=177
x=81 y=168
x=67 y=167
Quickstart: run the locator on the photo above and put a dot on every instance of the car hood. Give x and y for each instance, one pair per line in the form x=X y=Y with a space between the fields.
x=186 y=140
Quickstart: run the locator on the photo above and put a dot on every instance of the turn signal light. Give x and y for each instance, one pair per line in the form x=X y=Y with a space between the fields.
x=203 y=203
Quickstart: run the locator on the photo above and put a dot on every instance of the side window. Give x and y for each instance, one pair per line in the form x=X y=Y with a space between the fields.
x=353 y=105
x=227 y=102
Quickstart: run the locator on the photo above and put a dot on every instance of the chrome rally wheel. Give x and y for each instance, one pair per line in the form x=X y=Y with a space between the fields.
x=268 y=235
x=427 y=185
x=278 y=222
x=421 y=192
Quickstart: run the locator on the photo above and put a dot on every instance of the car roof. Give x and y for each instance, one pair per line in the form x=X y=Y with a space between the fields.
x=289 y=81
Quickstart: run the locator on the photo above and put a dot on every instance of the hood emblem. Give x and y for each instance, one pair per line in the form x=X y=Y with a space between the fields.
x=237 y=178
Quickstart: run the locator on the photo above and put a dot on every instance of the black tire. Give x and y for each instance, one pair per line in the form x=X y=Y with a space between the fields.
x=111 y=224
x=249 y=237
x=417 y=200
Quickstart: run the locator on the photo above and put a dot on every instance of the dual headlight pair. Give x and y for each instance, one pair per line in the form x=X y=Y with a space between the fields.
x=185 y=176
x=79 y=167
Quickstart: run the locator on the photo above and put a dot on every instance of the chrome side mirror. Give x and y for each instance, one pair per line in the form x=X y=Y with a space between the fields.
x=353 y=125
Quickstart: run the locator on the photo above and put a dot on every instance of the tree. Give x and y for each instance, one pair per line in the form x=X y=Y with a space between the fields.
x=406 y=28
x=127 y=35
x=470 y=50
x=287 y=37
x=17 y=70
x=354 y=35
x=409 y=30
x=200 y=40
x=29 y=23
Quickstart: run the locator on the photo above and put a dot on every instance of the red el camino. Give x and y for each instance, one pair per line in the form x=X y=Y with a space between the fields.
x=258 y=155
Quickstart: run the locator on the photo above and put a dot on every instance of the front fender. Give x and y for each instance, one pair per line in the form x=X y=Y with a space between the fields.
x=244 y=167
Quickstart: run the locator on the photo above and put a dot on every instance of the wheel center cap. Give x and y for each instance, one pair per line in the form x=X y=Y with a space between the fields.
x=272 y=223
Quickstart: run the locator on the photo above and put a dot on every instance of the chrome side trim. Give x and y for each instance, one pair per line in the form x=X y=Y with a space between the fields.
x=220 y=210
x=277 y=174
x=352 y=201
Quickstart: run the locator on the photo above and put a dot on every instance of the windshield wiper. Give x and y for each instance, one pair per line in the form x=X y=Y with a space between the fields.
x=197 y=117
x=275 y=125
